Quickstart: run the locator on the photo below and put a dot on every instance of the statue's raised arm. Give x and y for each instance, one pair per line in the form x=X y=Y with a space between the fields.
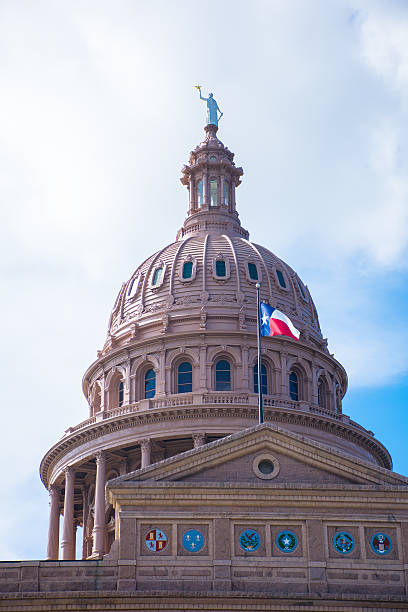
x=212 y=108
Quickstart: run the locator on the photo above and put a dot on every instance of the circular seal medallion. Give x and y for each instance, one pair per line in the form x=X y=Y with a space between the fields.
x=286 y=541
x=156 y=540
x=343 y=542
x=249 y=540
x=381 y=543
x=193 y=540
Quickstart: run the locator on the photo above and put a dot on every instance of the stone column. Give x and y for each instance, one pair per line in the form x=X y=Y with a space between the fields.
x=85 y=512
x=232 y=194
x=192 y=195
x=205 y=190
x=67 y=544
x=53 y=525
x=198 y=439
x=74 y=536
x=99 y=521
x=146 y=449
x=222 y=199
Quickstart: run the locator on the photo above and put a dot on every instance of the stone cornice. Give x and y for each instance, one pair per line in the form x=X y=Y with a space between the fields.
x=253 y=496
x=203 y=413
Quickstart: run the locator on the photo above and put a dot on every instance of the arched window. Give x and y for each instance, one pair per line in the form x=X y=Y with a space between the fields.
x=294 y=386
x=322 y=393
x=264 y=379
x=187 y=269
x=222 y=375
x=200 y=193
x=214 y=192
x=121 y=392
x=150 y=383
x=185 y=377
x=226 y=193
x=220 y=268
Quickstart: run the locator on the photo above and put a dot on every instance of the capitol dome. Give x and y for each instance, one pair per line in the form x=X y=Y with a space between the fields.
x=179 y=365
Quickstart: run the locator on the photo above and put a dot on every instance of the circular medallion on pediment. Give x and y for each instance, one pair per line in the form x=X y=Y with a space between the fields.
x=193 y=540
x=266 y=466
x=343 y=542
x=381 y=543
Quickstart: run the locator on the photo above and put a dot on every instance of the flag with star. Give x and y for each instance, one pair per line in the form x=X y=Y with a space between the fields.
x=273 y=322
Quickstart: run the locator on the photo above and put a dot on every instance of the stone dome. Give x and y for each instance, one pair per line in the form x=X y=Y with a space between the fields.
x=227 y=302
x=185 y=274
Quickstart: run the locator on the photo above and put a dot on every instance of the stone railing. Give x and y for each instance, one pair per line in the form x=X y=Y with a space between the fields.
x=225 y=398
x=219 y=399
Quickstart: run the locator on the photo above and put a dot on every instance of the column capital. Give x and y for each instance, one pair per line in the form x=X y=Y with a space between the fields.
x=54 y=491
x=198 y=439
x=100 y=457
x=145 y=443
x=69 y=472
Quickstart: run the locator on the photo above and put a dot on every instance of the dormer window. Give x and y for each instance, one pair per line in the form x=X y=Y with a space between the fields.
x=157 y=276
x=301 y=289
x=133 y=287
x=220 y=269
x=214 y=192
x=281 y=279
x=187 y=270
x=200 y=198
x=226 y=193
x=253 y=271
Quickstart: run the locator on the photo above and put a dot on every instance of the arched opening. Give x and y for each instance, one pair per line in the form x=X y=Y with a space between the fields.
x=214 y=192
x=264 y=379
x=294 y=386
x=185 y=377
x=222 y=375
x=121 y=393
x=200 y=193
x=150 y=383
x=226 y=193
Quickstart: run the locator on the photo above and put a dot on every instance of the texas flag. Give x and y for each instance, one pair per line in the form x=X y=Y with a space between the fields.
x=275 y=323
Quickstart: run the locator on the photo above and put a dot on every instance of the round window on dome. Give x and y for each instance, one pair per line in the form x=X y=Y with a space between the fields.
x=266 y=466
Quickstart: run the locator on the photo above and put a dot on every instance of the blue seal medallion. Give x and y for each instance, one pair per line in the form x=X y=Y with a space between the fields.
x=343 y=542
x=249 y=540
x=193 y=540
x=381 y=543
x=286 y=541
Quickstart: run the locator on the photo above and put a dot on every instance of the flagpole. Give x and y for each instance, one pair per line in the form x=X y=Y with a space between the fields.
x=258 y=322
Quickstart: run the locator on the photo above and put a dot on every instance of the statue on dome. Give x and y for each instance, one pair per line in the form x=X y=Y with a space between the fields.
x=212 y=108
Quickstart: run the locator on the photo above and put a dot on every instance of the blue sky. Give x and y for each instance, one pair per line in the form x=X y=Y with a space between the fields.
x=98 y=114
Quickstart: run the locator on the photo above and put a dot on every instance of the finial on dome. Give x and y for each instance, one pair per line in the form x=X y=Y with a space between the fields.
x=212 y=108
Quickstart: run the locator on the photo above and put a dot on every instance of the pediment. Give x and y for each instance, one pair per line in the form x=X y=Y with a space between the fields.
x=236 y=459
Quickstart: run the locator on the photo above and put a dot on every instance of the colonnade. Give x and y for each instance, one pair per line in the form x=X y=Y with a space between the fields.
x=68 y=541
